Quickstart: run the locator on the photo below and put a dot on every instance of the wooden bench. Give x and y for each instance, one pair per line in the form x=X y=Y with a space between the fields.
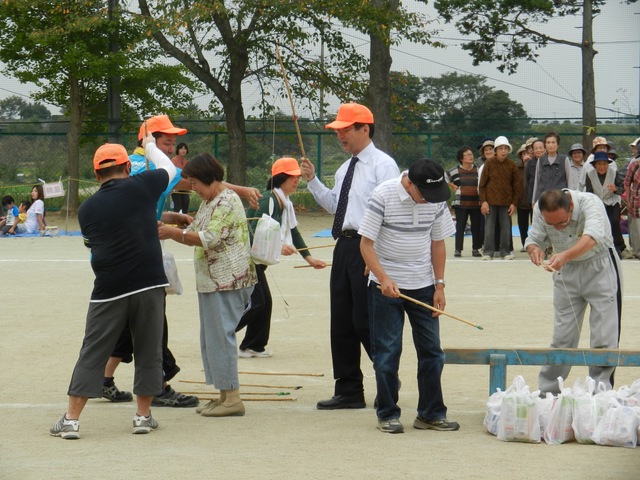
x=499 y=358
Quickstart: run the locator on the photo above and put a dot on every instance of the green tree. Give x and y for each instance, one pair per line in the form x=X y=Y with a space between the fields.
x=508 y=31
x=15 y=107
x=63 y=47
x=241 y=36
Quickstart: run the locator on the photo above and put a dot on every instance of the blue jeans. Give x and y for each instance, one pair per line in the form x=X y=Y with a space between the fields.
x=386 y=317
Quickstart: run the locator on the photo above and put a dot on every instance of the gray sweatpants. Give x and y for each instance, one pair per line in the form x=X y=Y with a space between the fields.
x=596 y=282
x=144 y=313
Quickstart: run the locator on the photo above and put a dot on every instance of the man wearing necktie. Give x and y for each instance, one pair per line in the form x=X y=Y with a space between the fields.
x=354 y=181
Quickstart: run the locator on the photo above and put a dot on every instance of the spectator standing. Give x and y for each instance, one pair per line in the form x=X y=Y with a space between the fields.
x=463 y=179
x=607 y=184
x=354 y=181
x=499 y=195
x=552 y=169
x=577 y=154
x=632 y=196
x=524 y=206
x=586 y=271
x=403 y=244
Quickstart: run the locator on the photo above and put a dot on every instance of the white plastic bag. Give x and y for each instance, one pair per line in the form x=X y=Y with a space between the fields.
x=171 y=271
x=267 y=241
x=544 y=411
x=559 y=429
x=518 y=421
x=494 y=404
x=586 y=410
x=618 y=427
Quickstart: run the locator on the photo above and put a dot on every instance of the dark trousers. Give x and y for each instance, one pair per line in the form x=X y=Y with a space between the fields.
x=525 y=216
x=349 y=316
x=124 y=349
x=462 y=214
x=613 y=212
x=180 y=202
x=258 y=318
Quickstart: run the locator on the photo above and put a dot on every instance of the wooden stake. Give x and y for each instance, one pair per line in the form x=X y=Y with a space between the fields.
x=279 y=394
x=310 y=266
x=286 y=387
x=293 y=110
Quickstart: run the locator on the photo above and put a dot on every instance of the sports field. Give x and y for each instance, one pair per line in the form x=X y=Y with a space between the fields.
x=46 y=284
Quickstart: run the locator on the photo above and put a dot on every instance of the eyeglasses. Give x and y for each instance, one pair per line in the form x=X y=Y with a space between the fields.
x=562 y=224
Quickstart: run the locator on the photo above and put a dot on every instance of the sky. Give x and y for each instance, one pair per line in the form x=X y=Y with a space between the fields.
x=547 y=88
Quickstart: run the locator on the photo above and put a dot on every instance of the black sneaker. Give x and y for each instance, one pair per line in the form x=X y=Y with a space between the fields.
x=442 y=424
x=476 y=253
x=390 y=426
x=457 y=253
x=111 y=392
x=171 y=398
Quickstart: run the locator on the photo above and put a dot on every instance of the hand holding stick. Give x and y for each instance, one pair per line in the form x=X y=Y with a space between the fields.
x=441 y=312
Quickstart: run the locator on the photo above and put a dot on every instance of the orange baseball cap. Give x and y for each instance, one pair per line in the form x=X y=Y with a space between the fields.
x=160 y=124
x=350 y=113
x=108 y=155
x=286 y=165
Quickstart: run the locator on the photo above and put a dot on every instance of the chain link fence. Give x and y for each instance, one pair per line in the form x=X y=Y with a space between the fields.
x=36 y=152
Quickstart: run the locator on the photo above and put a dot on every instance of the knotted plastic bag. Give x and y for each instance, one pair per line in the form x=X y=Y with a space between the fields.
x=171 y=271
x=518 y=421
x=267 y=241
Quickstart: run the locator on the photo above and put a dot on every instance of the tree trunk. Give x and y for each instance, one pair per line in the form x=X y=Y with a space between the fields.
x=237 y=131
x=379 y=91
x=589 y=119
x=73 y=143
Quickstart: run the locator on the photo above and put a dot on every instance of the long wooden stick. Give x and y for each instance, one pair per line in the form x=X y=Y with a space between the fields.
x=310 y=266
x=278 y=394
x=285 y=374
x=286 y=387
x=319 y=246
x=441 y=312
x=278 y=399
x=293 y=110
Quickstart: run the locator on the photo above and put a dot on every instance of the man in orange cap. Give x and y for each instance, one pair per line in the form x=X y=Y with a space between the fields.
x=165 y=135
x=354 y=182
x=126 y=294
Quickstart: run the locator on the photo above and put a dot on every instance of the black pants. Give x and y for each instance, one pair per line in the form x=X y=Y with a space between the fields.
x=613 y=212
x=180 y=202
x=525 y=216
x=349 y=316
x=124 y=349
x=258 y=318
x=462 y=214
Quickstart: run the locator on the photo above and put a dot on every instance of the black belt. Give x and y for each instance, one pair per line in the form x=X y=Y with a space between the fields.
x=350 y=234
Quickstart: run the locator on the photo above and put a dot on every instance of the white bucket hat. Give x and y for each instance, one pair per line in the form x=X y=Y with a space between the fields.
x=500 y=141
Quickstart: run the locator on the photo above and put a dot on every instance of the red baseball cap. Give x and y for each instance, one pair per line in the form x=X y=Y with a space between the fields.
x=160 y=124
x=351 y=113
x=108 y=155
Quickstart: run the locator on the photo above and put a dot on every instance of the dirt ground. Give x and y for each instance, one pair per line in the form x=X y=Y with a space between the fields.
x=46 y=286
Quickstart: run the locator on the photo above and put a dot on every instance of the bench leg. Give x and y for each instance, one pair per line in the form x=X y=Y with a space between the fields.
x=497 y=372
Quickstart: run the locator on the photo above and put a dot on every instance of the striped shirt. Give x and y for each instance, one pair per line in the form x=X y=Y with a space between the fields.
x=467 y=195
x=589 y=217
x=402 y=231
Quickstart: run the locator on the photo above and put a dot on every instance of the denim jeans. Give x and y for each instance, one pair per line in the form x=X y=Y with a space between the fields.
x=386 y=324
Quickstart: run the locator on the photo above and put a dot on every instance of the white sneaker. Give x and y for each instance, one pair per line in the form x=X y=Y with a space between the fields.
x=509 y=256
x=487 y=257
x=248 y=353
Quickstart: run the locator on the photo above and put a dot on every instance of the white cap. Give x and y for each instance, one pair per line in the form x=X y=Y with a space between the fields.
x=635 y=143
x=500 y=141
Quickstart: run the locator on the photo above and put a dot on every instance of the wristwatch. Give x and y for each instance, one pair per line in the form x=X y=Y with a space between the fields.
x=440 y=281
x=184 y=233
